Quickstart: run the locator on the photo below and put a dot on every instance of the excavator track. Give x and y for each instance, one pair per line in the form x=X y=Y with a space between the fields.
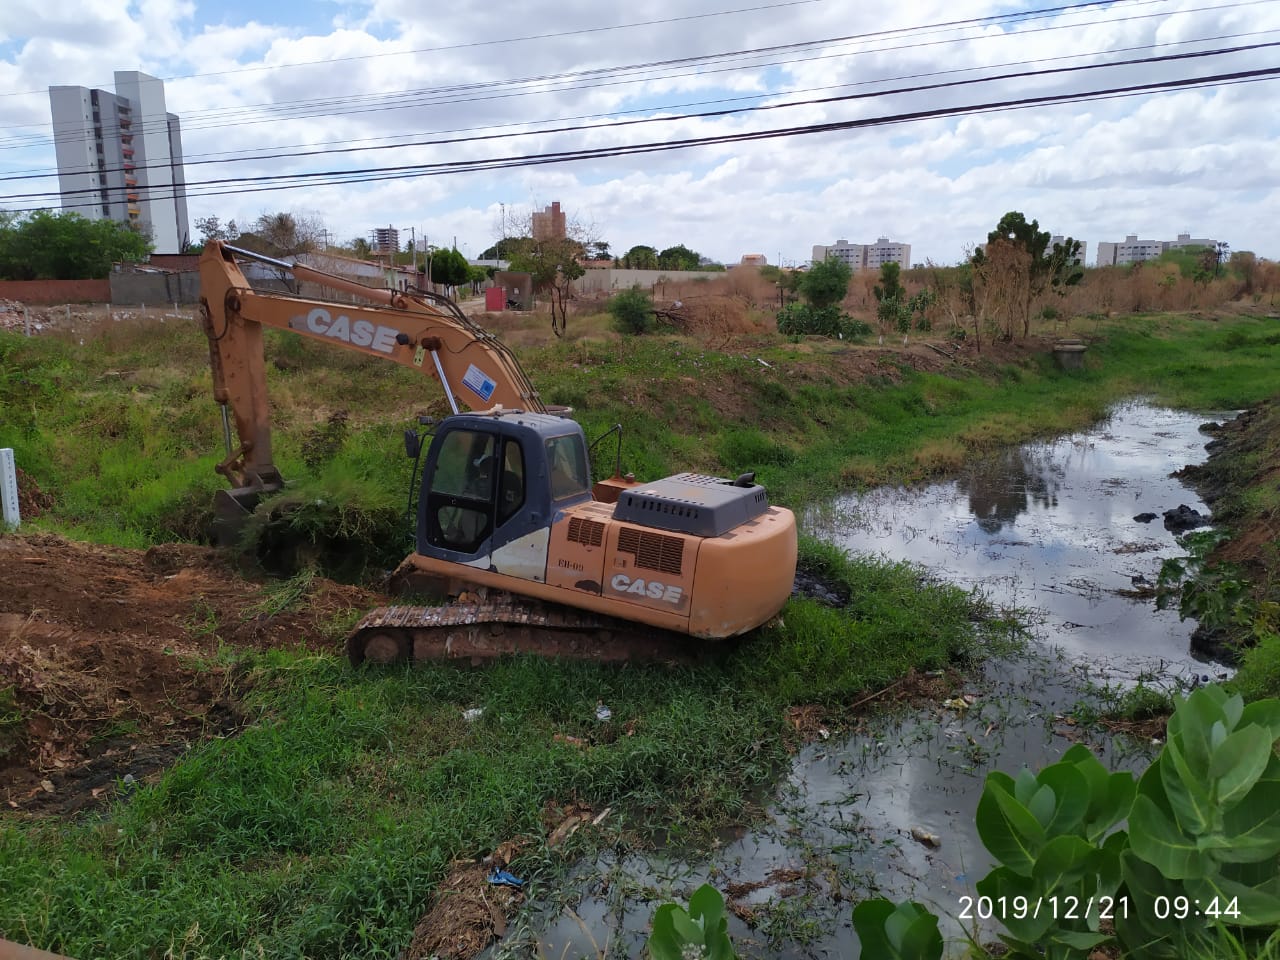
x=503 y=624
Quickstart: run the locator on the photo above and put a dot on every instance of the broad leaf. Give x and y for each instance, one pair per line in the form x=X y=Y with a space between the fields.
x=1265 y=713
x=1071 y=799
x=1159 y=842
x=1258 y=907
x=664 y=944
x=1239 y=762
x=868 y=920
x=707 y=904
x=1008 y=831
x=1187 y=790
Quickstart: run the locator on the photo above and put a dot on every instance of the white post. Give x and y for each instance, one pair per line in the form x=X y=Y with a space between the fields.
x=144 y=309
x=26 y=320
x=68 y=314
x=9 y=488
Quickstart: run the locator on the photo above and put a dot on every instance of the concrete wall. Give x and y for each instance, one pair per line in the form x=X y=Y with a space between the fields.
x=56 y=291
x=612 y=280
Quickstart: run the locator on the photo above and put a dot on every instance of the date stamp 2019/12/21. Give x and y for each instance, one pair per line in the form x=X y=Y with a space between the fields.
x=1100 y=908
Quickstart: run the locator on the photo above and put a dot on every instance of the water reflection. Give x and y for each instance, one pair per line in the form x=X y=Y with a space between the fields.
x=1003 y=486
x=1051 y=527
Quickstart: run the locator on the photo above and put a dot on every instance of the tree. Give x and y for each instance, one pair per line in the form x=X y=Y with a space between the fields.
x=360 y=247
x=553 y=265
x=892 y=308
x=826 y=282
x=211 y=228
x=1042 y=267
x=678 y=257
x=65 y=246
x=284 y=234
x=598 y=250
x=449 y=268
x=640 y=257
x=503 y=249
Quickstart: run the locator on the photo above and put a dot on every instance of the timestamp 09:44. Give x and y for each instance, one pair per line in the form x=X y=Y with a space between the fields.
x=1101 y=908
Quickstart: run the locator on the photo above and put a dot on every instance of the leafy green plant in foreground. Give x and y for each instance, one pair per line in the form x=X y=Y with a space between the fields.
x=905 y=931
x=1048 y=830
x=1204 y=832
x=700 y=931
x=1197 y=871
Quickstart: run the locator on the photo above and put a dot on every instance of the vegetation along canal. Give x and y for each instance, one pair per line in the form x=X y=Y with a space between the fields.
x=1047 y=527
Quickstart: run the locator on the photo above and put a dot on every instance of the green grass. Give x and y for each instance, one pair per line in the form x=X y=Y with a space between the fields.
x=322 y=828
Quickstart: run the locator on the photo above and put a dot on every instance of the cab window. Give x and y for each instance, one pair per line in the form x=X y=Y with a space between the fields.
x=567 y=461
x=465 y=465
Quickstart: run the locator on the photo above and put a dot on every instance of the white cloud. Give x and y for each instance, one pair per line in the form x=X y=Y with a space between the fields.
x=362 y=74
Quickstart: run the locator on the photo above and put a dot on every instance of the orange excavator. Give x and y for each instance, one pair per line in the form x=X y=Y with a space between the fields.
x=528 y=554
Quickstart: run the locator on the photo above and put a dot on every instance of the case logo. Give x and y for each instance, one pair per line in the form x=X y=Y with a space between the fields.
x=362 y=333
x=647 y=588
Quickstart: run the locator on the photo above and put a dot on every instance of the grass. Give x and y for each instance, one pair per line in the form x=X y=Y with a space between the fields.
x=322 y=828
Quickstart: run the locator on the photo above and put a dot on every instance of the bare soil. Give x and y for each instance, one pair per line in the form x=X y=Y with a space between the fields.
x=109 y=660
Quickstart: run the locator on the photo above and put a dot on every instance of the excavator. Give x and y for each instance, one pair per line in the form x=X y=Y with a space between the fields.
x=526 y=552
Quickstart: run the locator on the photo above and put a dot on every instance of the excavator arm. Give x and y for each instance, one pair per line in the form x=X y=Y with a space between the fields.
x=420 y=330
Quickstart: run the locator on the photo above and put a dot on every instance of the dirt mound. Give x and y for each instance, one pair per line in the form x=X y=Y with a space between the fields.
x=107 y=657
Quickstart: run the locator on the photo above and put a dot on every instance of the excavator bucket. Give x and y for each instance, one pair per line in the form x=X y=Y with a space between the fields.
x=231 y=511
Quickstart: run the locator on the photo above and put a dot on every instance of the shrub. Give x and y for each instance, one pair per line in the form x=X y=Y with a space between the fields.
x=802 y=319
x=632 y=312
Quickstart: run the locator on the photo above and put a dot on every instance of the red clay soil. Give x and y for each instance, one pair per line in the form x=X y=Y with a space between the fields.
x=108 y=659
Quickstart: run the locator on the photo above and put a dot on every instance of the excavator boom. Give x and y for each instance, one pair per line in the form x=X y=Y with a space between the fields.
x=476 y=370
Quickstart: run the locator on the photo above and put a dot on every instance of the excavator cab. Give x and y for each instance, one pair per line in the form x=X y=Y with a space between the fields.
x=492 y=486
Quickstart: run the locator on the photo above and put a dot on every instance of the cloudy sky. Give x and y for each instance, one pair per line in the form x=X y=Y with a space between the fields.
x=733 y=127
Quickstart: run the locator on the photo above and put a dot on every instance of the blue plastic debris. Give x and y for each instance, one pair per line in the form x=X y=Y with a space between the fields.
x=501 y=878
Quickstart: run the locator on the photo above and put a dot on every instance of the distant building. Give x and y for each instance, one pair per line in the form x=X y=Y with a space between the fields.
x=549 y=224
x=1133 y=250
x=754 y=260
x=866 y=256
x=119 y=157
x=1081 y=257
x=384 y=241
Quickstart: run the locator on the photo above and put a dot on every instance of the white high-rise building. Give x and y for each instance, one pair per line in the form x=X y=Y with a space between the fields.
x=865 y=256
x=1133 y=250
x=120 y=157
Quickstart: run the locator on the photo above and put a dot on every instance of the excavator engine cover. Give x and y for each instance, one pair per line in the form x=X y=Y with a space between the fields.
x=692 y=503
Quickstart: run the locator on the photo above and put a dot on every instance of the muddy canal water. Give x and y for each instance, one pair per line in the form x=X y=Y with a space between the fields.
x=1047 y=527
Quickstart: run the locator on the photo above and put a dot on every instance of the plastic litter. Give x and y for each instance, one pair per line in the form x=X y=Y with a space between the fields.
x=925 y=837
x=603 y=713
x=500 y=878
x=475 y=713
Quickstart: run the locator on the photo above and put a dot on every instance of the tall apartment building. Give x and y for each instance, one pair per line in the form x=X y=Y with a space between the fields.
x=1133 y=250
x=386 y=240
x=866 y=256
x=549 y=224
x=120 y=157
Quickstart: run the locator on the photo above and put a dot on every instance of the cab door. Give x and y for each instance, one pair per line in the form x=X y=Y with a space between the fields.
x=456 y=518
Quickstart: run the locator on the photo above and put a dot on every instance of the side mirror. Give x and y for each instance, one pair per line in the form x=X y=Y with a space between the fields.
x=412 y=444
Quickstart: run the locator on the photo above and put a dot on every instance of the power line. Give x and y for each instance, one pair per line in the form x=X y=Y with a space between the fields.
x=502 y=163
x=706 y=115
x=469 y=93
